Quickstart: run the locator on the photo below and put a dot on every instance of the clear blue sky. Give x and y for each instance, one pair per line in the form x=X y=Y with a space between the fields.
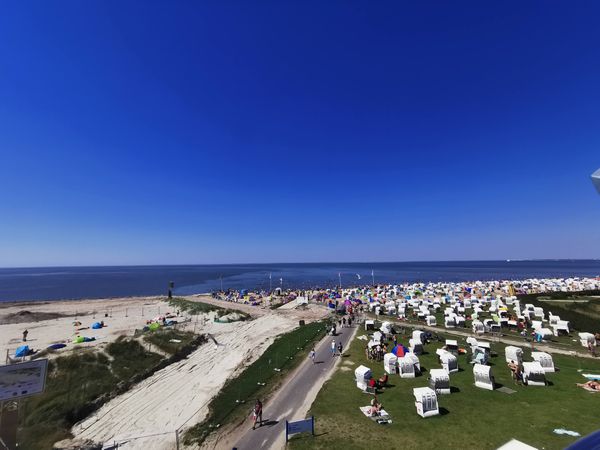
x=144 y=132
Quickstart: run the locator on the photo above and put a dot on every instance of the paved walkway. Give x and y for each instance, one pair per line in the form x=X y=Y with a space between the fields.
x=293 y=400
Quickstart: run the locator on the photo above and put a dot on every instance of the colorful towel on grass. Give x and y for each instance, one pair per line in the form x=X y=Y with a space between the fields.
x=382 y=418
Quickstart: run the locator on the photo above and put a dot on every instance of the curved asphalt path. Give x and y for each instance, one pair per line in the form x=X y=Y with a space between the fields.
x=288 y=402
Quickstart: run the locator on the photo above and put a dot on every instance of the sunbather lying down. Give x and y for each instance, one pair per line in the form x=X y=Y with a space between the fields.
x=375 y=407
x=593 y=386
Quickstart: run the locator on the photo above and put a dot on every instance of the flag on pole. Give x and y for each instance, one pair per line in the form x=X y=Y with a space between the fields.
x=270 y=275
x=358 y=275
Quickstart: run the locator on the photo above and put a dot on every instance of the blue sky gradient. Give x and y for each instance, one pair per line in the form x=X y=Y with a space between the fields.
x=215 y=132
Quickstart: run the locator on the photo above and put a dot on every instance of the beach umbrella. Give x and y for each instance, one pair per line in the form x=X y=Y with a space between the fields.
x=591 y=441
x=399 y=350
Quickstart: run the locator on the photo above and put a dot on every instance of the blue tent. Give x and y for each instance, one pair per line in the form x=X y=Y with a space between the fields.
x=23 y=350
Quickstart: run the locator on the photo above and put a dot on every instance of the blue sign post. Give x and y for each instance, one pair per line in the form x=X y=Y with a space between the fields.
x=300 y=426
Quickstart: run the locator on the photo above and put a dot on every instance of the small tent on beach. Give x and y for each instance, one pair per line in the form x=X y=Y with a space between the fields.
x=22 y=351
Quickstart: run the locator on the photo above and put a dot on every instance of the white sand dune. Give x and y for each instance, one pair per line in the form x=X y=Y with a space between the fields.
x=178 y=395
x=124 y=316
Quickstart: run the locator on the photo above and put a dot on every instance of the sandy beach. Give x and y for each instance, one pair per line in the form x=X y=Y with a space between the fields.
x=178 y=395
x=121 y=317
x=174 y=398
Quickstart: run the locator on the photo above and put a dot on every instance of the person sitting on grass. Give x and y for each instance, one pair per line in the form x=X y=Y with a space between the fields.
x=376 y=407
x=382 y=382
x=591 y=385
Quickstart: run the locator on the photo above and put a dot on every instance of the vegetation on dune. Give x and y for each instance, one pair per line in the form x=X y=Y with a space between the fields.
x=284 y=354
x=81 y=382
x=201 y=308
x=471 y=418
x=169 y=340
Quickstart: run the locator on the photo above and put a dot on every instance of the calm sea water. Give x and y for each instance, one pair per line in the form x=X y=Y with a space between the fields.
x=100 y=282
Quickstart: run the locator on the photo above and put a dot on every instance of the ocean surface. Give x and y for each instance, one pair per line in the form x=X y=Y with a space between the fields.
x=67 y=283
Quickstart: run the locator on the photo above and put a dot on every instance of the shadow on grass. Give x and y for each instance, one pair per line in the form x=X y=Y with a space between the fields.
x=453 y=390
x=444 y=411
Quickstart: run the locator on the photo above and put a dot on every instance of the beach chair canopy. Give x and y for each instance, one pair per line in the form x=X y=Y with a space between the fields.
x=513 y=353
x=362 y=373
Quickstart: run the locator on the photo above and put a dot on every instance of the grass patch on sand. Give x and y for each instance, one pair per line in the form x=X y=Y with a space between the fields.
x=74 y=382
x=471 y=418
x=169 y=340
x=284 y=353
x=195 y=308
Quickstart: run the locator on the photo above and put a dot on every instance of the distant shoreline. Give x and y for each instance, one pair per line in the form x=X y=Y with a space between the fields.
x=233 y=264
x=86 y=283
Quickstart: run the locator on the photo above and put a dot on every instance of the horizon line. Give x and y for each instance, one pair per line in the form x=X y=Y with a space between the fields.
x=298 y=263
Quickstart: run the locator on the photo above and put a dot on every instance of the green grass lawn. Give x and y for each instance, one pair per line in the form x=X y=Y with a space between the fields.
x=471 y=418
x=565 y=342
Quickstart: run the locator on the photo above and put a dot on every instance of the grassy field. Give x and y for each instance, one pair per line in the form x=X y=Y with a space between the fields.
x=581 y=309
x=471 y=418
x=566 y=342
x=80 y=382
x=285 y=353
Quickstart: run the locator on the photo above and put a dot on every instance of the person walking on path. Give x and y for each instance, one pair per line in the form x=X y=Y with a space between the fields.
x=343 y=322
x=25 y=333
x=340 y=348
x=257 y=414
x=333 y=348
x=312 y=355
